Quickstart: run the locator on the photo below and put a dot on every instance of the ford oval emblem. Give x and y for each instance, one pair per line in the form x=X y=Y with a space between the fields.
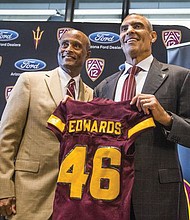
x=8 y=35
x=30 y=65
x=104 y=37
x=121 y=67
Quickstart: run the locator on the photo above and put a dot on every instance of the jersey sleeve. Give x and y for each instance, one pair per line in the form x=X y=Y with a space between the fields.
x=57 y=121
x=141 y=126
x=136 y=121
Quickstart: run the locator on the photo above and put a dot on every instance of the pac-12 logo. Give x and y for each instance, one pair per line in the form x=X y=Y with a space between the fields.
x=104 y=37
x=8 y=90
x=171 y=37
x=61 y=32
x=94 y=68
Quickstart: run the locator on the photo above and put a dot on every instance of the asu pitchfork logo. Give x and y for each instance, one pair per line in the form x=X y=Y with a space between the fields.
x=37 y=35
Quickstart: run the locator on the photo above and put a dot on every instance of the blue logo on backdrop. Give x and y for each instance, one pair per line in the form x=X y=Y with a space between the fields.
x=8 y=35
x=122 y=66
x=30 y=65
x=104 y=37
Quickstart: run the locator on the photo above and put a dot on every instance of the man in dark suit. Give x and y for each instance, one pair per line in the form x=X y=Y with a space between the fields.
x=162 y=90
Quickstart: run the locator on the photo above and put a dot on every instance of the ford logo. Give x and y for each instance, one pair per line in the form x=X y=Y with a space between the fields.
x=30 y=65
x=121 y=67
x=8 y=35
x=104 y=37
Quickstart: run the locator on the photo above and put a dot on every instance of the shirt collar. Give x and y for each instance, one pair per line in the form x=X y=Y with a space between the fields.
x=65 y=77
x=144 y=64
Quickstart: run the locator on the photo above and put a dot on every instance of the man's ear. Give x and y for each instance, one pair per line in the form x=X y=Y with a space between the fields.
x=88 y=54
x=154 y=36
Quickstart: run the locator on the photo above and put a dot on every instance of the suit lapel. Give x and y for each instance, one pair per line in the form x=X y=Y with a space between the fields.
x=110 y=86
x=54 y=85
x=83 y=93
x=155 y=78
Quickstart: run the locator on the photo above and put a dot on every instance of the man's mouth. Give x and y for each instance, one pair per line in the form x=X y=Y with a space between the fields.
x=68 y=57
x=130 y=40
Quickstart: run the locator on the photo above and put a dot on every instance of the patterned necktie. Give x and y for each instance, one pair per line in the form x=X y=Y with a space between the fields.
x=71 y=88
x=129 y=86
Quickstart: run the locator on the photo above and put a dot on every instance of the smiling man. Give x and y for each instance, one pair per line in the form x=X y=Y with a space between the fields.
x=74 y=50
x=28 y=151
x=163 y=91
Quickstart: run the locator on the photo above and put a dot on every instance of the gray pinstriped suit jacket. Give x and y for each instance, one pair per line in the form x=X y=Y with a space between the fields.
x=158 y=192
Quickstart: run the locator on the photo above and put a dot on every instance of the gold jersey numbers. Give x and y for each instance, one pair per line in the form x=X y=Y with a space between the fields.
x=72 y=171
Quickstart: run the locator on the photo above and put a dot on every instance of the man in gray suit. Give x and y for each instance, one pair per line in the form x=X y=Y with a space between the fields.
x=162 y=90
x=28 y=150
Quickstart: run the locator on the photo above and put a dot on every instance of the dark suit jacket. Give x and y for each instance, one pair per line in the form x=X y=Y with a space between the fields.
x=158 y=192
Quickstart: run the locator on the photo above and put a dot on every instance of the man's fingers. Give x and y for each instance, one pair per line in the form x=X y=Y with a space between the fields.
x=66 y=98
x=8 y=206
x=8 y=209
x=14 y=205
x=135 y=101
x=144 y=102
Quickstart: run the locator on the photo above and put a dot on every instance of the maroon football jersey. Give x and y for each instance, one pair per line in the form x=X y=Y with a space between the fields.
x=96 y=158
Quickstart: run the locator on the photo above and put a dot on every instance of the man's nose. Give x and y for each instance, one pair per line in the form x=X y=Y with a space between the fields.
x=69 y=47
x=130 y=29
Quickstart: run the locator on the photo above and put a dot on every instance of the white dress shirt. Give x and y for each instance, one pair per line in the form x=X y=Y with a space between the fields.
x=65 y=78
x=140 y=77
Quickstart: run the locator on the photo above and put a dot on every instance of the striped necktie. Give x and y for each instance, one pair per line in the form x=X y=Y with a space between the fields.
x=71 y=88
x=129 y=86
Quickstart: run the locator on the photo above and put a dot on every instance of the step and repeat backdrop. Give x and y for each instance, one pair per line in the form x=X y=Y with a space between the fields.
x=32 y=46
